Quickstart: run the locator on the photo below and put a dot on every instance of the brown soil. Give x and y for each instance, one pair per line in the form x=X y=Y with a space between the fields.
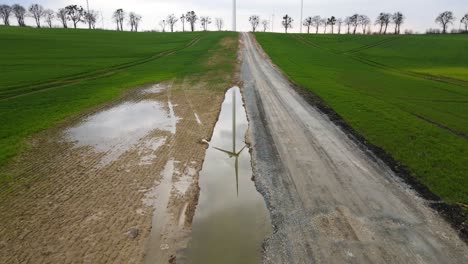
x=66 y=208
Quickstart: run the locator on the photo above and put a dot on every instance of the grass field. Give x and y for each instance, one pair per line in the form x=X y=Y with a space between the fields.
x=406 y=94
x=51 y=74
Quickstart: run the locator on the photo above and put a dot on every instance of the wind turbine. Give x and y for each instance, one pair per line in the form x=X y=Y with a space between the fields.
x=234 y=18
x=234 y=153
x=302 y=12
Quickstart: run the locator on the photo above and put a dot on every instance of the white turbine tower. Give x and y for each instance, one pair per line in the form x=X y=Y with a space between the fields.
x=234 y=20
x=302 y=12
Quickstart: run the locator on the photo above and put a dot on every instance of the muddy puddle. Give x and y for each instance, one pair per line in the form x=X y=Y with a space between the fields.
x=231 y=220
x=122 y=127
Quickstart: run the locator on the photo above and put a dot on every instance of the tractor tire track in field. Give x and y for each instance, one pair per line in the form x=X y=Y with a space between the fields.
x=330 y=199
x=22 y=90
x=453 y=131
x=372 y=45
x=351 y=54
x=424 y=76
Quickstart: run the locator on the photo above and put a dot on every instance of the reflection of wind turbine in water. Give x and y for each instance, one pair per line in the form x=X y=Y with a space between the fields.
x=233 y=153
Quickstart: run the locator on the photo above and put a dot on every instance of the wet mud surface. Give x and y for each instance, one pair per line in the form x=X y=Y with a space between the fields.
x=330 y=201
x=92 y=189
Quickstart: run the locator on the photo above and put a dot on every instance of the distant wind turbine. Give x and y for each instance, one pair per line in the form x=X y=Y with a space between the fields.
x=302 y=12
x=234 y=10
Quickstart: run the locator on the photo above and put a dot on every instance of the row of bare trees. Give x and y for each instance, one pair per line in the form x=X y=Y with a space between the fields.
x=191 y=19
x=447 y=18
x=356 y=21
x=255 y=22
x=120 y=16
x=76 y=14
x=73 y=13
x=352 y=23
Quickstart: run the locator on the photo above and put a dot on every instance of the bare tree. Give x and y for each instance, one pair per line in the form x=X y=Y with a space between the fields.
x=445 y=19
x=348 y=22
x=265 y=23
x=387 y=17
x=398 y=18
x=134 y=21
x=20 y=13
x=383 y=19
x=37 y=11
x=379 y=21
x=332 y=21
x=307 y=23
x=219 y=23
x=62 y=16
x=287 y=23
x=324 y=23
x=49 y=17
x=119 y=17
x=5 y=12
x=254 y=21
x=75 y=14
x=464 y=21
x=182 y=19
x=339 y=22
x=172 y=20
x=205 y=21
x=162 y=23
x=316 y=21
x=354 y=20
x=91 y=18
x=364 y=21
x=192 y=19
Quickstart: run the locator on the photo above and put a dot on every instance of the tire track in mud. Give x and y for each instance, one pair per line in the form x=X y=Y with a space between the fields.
x=12 y=92
x=331 y=200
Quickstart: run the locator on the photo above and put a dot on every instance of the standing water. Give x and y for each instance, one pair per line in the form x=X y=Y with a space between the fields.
x=231 y=220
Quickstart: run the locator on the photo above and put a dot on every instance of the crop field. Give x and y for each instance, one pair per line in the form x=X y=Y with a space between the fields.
x=50 y=74
x=406 y=94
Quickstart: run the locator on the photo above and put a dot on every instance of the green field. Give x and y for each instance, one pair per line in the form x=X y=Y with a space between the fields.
x=406 y=94
x=51 y=74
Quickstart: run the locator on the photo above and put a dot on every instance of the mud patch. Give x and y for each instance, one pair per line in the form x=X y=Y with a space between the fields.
x=69 y=207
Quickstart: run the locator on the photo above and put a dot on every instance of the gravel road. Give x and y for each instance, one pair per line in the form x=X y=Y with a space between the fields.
x=329 y=200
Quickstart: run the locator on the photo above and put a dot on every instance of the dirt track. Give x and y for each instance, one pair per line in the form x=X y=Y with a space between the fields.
x=330 y=202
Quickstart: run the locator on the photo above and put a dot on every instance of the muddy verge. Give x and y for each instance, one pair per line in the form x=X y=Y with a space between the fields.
x=91 y=188
x=91 y=182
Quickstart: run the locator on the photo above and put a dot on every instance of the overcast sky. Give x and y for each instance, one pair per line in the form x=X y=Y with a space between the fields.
x=420 y=14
